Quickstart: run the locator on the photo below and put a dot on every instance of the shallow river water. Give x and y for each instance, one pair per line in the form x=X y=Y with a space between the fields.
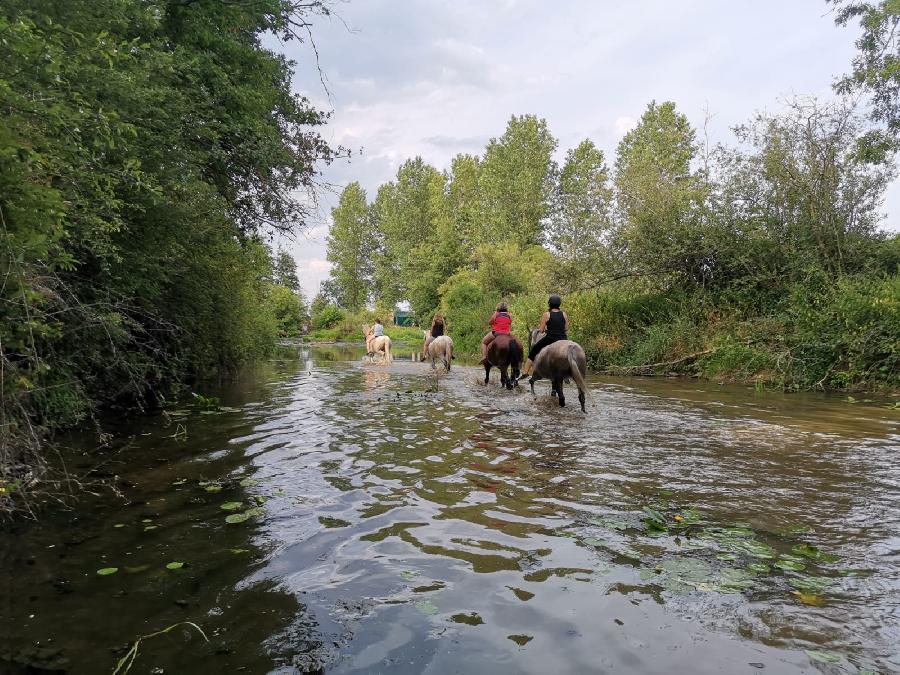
x=390 y=521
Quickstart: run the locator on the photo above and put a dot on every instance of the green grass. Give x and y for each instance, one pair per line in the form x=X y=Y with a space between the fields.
x=353 y=333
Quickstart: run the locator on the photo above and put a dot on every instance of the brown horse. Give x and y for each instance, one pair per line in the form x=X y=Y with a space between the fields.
x=504 y=351
x=559 y=362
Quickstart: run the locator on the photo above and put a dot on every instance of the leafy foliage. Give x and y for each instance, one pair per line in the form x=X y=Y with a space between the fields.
x=145 y=149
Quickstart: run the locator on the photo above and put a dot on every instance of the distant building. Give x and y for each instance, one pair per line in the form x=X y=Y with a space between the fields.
x=403 y=318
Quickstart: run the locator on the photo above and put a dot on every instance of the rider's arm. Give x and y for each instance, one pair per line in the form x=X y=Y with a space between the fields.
x=491 y=322
x=544 y=319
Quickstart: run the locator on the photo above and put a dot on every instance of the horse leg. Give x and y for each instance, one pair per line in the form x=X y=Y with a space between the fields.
x=581 y=399
x=487 y=373
x=558 y=385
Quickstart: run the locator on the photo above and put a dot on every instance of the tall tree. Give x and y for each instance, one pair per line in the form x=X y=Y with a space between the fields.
x=349 y=247
x=660 y=199
x=403 y=217
x=582 y=223
x=285 y=271
x=439 y=255
x=465 y=203
x=876 y=69
x=796 y=195
x=516 y=180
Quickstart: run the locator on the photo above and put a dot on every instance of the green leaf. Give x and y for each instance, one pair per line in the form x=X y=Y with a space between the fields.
x=106 y=571
x=823 y=657
x=174 y=565
x=231 y=506
x=427 y=607
x=790 y=565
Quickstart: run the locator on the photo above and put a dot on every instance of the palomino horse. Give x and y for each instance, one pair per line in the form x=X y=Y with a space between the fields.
x=558 y=363
x=379 y=345
x=440 y=349
x=504 y=351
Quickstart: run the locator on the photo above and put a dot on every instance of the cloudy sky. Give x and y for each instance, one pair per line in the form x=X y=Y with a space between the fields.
x=436 y=78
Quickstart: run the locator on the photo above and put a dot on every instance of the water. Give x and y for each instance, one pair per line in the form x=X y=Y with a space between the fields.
x=408 y=525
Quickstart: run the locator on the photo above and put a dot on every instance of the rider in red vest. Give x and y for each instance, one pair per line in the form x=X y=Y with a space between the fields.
x=500 y=322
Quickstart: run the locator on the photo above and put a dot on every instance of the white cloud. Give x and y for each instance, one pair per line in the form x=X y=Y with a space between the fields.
x=624 y=124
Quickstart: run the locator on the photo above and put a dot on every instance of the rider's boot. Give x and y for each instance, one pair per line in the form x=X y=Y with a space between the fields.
x=526 y=369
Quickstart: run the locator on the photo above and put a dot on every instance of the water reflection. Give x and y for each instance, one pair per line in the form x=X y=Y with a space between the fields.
x=430 y=524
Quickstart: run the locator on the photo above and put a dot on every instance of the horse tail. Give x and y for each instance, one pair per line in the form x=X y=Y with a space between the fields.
x=576 y=371
x=515 y=353
x=387 y=350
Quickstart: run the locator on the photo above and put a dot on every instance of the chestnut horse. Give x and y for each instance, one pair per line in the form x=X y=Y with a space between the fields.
x=504 y=351
x=558 y=362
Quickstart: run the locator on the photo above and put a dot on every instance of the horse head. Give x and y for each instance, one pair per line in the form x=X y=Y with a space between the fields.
x=534 y=335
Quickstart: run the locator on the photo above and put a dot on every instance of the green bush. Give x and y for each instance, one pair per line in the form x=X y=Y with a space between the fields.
x=327 y=317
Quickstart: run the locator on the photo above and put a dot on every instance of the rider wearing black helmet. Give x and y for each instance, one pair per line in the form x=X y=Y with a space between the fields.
x=555 y=326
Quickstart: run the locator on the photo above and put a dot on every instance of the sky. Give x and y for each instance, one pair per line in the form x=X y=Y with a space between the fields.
x=436 y=78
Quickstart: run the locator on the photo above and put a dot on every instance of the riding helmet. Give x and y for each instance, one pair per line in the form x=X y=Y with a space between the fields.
x=555 y=301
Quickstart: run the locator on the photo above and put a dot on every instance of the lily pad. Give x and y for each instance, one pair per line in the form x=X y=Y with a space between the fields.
x=759 y=568
x=823 y=657
x=174 y=565
x=106 y=571
x=117 y=525
x=231 y=506
x=238 y=551
x=150 y=527
x=810 y=584
x=733 y=580
x=594 y=541
x=244 y=515
x=790 y=565
x=249 y=482
x=809 y=551
x=427 y=607
x=409 y=574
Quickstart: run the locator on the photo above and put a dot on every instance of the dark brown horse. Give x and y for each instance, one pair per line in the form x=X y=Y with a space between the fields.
x=504 y=351
x=559 y=362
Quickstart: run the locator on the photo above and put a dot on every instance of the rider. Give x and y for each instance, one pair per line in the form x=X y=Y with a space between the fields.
x=438 y=327
x=554 y=325
x=500 y=323
x=376 y=331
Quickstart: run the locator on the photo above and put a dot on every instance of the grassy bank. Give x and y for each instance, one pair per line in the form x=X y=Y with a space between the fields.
x=814 y=336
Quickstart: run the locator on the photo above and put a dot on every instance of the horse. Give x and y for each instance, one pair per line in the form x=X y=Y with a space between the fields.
x=440 y=349
x=381 y=344
x=558 y=363
x=504 y=351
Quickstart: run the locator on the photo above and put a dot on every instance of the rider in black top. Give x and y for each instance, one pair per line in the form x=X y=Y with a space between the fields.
x=555 y=325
